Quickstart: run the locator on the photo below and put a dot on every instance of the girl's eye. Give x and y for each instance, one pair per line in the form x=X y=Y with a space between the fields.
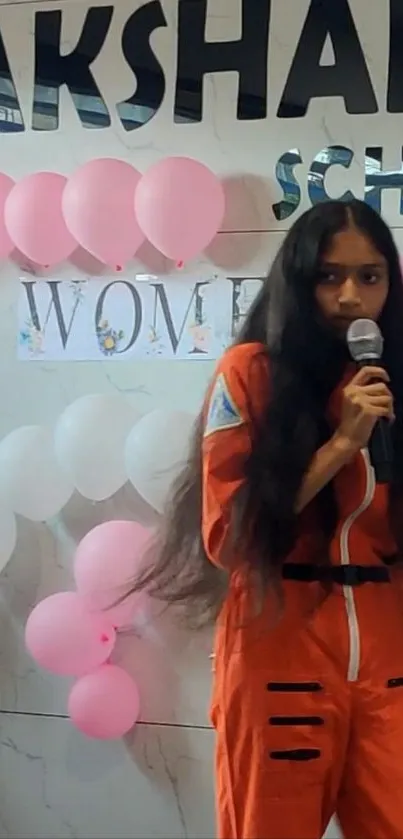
x=369 y=278
x=328 y=277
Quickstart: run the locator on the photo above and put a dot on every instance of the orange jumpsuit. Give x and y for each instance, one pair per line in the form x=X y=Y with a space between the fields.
x=308 y=711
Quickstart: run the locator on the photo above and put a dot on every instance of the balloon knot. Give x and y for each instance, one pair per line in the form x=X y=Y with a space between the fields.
x=180 y=263
x=118 y=267
x=104 y=638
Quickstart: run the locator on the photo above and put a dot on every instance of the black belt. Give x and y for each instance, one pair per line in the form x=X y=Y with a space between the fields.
x=343 y=575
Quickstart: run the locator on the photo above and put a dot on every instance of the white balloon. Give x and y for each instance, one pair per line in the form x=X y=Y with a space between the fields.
x=31 y=480
x=156 y=451
x=8 y=535
x=90 y=438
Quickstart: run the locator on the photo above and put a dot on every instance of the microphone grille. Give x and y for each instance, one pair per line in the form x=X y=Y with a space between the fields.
x=364 y=339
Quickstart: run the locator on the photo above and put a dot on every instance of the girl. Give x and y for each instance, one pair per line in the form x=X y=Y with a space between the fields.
x=278 y=522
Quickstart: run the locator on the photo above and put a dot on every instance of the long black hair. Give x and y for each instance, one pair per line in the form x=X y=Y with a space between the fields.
x=306 y=363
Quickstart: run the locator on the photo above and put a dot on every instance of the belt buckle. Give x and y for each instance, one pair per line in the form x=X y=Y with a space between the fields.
x=352 y=575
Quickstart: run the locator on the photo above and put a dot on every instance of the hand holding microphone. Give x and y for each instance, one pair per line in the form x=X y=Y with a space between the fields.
x=367 y=400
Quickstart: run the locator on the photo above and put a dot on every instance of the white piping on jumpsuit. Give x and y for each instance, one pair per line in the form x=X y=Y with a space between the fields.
x=348 y=591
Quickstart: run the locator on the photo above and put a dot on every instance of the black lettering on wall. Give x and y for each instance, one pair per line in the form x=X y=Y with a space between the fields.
x=11 y=119
x=137 y=311
x=53 y=70
x=197 y=57
x=348 y=77
x=331 y=156
x=378 y=179
x=238 y=311
x=395 y=87
x=55 y=303
x=150 y=79
x=291 y=189
x=195 y=300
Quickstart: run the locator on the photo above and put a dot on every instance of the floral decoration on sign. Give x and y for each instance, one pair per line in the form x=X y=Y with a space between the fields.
x=109 y=339
x=32 y=338
x=157 y=347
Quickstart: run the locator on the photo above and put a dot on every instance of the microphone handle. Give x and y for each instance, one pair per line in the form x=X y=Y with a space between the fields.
x=381 y=452
x=380 y=445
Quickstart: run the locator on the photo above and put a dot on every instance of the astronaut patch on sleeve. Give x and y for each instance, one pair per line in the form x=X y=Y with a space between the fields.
x=223 y=412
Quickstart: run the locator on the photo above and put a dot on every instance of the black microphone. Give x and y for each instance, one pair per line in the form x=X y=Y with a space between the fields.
x=365 y=343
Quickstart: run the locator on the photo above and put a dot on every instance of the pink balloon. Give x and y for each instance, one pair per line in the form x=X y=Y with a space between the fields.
x=34 y=220
x=180 y=205
x=99 y=212
x=106 y=561
x=6 y=243
x=104 y=704
x=65 y=638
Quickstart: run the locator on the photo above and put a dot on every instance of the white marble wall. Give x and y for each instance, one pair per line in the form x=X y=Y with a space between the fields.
x=158 y=783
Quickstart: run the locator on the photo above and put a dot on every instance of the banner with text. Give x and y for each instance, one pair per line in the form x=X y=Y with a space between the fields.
x=122 y=319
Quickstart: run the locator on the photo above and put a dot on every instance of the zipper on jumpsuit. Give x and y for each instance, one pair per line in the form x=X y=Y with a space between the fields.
x=348 y=591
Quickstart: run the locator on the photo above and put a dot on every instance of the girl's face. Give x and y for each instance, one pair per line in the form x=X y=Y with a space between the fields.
x=353 y=281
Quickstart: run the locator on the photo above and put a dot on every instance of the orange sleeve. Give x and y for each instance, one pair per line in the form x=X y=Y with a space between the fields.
x=234 y=402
